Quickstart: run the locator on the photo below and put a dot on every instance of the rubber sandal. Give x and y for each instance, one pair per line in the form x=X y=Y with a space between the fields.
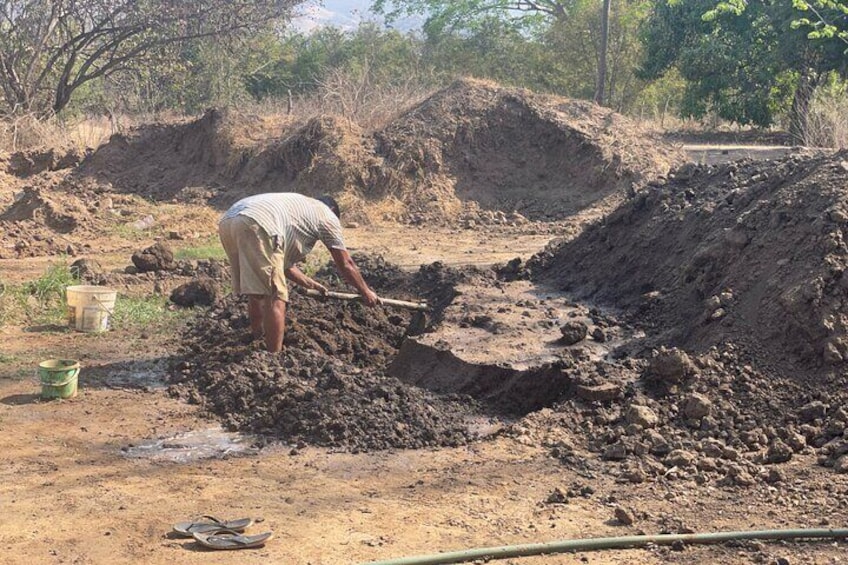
x=210 y=524
x=229 y=539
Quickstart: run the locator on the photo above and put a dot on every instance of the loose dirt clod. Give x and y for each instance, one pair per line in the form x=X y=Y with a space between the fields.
x=199 y=292
x=157 y=257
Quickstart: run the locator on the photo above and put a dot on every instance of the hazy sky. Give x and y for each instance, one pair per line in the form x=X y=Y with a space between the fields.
x=345 y=14
x=340 y=13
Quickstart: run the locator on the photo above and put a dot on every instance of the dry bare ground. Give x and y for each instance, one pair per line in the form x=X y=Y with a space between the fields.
x=705 y=392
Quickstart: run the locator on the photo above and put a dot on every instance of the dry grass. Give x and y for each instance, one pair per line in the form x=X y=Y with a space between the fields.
x=28 y=132
x=350 y=95
x=827 y=125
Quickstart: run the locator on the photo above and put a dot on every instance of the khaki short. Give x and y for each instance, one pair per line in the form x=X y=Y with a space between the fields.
x=256 y=263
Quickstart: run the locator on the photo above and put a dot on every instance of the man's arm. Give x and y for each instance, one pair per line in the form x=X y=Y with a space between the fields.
x=349 y=272
x=295 y=275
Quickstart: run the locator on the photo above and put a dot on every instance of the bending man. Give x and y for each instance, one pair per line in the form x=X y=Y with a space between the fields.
x=265 y=236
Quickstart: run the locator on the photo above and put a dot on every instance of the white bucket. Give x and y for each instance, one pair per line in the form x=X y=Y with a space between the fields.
x=89 y=307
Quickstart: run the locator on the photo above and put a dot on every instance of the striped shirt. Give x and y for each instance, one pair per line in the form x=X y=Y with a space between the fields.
x=294 y=221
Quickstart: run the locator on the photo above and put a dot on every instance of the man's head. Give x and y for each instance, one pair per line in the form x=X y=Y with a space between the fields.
x=331 y=204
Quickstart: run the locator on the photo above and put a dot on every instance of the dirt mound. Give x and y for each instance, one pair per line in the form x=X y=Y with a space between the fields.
x=748 y=252
x=34 y=205
x=726 y=424
x=327 y=155
x=28 y=163
x=473 y=150
x=188 y=162
x=37 y=221
x=510 y=150
x=329 y=387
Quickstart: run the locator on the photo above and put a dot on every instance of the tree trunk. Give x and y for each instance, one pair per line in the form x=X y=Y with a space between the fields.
x=799 y=118
x=602 y=56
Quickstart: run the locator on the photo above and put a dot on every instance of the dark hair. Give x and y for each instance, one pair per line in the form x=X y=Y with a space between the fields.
x=331 y=204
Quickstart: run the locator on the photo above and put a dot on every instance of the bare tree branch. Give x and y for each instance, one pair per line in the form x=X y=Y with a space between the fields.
x=50 y=48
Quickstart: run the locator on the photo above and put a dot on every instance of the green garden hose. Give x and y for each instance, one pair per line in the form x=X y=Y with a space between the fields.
x=592 y=544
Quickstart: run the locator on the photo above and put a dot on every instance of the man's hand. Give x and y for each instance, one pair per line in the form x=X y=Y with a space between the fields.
x=370 y=298
x=320 y=288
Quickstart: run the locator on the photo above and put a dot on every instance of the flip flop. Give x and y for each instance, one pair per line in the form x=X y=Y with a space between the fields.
x=229 y=539
x=210 y=524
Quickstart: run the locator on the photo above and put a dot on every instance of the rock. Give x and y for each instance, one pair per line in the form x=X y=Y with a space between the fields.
x=635 y=475
x=598 y=393
x=599 y=335
x=831 y=354
x=573 y=332
x=199 y=292
x=696 y=406
x=641 y=416
x=85 y=269
x=712 y=448
x=778 y=452
x=795 y=440
x=841 y=465
x=670 y=365
x=730 y=454
x=718 y=314
x=680 y=458
x=706 y=464
x=712 y=304
x=175 y=235
x=557 y=496
x=615 y=452
x=740 y=476
x=812 y=411
x=774 y=476
x=659 y=446
x=158 y=257
x=624 y=516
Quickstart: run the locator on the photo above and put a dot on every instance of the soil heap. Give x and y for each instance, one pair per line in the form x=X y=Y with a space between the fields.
x=329 y=388
x=471 y=146
x=507 y=149
x=474 y=152
x=747 y=252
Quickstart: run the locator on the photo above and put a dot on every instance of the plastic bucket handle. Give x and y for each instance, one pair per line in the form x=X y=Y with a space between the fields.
x=69 y=380
x=104 y=308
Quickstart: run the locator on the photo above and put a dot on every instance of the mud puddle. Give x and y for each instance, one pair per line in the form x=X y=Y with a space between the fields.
x=213 y=443
x=144 y=374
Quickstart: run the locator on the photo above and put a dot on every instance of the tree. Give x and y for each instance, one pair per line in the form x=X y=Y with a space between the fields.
x=468 y=14
x=743 y=60
x=829 y=21
x=572 y=53
x=51 y=48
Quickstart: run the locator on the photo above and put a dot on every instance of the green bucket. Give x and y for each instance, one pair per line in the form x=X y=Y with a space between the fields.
x=58 y=378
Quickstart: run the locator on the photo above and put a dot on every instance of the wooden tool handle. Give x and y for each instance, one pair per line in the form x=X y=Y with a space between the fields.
x=421 y=306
